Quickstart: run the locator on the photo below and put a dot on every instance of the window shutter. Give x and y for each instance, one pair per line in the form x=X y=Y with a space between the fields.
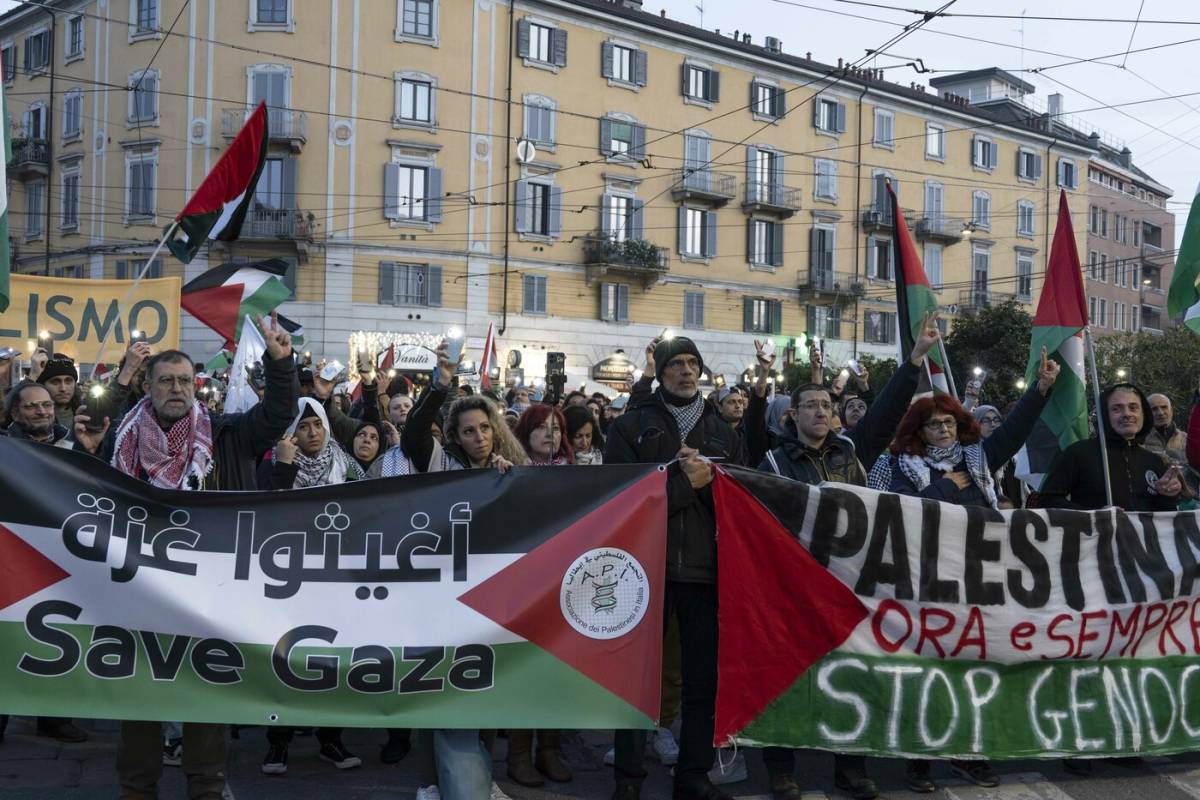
x=881 y=197
x=1021 y=164
x=387 y=283
x=681 y=229
x=391 y=191
x=555 y=211
x=777 y=178
x=524 y=213
x=638 y=148
x=289 y=183
x=122 y=270
x=748 y=314
x=778 y=103
x=817 y=113
x=776 y=316
x=754 y=97
x=606 y=60
x=841 y=117
x=1037 y=167
x=636 y=219
x=710 y=233
x=605 y=221
x=527 y=293
x=714 y=86
x=433 y=197
x=975 y=151
x=606 y=310
x=993 y=155
x=27 y=50
x=776 y=244
x=433 y=285
x=523 y=38
x=558 y=39
x=750 y=240
x=606 y=136
x=639 y=67
x=751 y=162
x=814 y=256
x=623 y=302
x=683 y=79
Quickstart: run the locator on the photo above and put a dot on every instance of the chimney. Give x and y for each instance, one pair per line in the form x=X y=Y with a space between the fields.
x=808 y=56
x=745 y=38
x=1126 y=158
x=662 y=12
x=839 y=63
x=1054 y=105
x=1094 y=140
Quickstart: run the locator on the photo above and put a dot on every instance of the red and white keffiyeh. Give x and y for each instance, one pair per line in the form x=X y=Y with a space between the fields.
x=179 y=458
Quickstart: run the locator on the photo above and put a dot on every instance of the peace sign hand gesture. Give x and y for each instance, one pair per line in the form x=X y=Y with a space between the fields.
x=1047 y=373
x=278 y=340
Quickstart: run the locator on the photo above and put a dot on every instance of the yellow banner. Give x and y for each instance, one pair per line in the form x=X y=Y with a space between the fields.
x=80 y=313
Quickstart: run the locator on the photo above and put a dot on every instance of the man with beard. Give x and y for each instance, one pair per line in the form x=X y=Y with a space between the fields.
x=61 y=379
x=31 y=409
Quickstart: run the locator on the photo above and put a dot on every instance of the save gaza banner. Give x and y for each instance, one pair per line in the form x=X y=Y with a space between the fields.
x=864 y=622
x=461 y=599
x=79 y=314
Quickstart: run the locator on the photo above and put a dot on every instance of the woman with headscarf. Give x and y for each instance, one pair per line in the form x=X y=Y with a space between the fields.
x=583 y=432
x=369 y=442
x=776 y=414
x=1012 y=490
x=939 y=453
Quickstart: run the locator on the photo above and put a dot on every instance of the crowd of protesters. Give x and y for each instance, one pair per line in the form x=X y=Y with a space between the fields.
x=161 y=421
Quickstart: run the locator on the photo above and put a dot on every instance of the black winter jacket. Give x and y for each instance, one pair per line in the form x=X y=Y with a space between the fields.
x=648 y=434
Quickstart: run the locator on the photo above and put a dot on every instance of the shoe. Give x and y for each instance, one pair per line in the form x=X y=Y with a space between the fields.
x=395 y=749
x=666 y=749
x=173 y=752
x=64 y=731
x=276 y=761
x=732 y=771
x=701 y=791
x=856 y=782
x=1130 y=762
x=336 y=753
x=520 y=761
x=1077 y=766
x=610 y=757
x=497 y=793
x=627 y=791
x=549 y=758
x=919 y=777
x=429 y=793
x=785 y=787
x=979 y=773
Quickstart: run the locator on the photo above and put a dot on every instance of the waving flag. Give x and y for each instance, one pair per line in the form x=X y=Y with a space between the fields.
x=218 y=208
x=914 y=298
x=1184 y=297
x=489 y=359
x=224 y=295
x=1062 y=314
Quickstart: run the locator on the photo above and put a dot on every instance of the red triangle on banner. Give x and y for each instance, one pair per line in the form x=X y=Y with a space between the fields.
x=23 y=570
x=779 y=610
x=527 y=596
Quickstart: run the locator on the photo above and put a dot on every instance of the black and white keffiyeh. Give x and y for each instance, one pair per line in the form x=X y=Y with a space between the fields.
x=918 y=468
x=687 y=416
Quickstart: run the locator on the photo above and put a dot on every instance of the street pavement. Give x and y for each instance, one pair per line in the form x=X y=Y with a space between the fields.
x=34 y=768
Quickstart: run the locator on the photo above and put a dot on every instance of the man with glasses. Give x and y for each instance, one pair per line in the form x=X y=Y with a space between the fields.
x=31 y=410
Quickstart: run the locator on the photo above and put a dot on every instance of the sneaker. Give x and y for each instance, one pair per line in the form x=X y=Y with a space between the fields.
x=497 y=792
x=666 y=749
x=173 y=752
x=336 y=753
x=610 y=757
x=429 y=793
x=276 y=761
x=728 y=770
x=979 y=773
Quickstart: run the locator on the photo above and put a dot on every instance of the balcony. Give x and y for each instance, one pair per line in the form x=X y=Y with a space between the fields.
x=975 y=299
x=877 y=219
x=288 y=229
x=30 y=159
x=284 y=126
x=717 y=188
x=940 y=229
x=772 y=198
x=635 y=258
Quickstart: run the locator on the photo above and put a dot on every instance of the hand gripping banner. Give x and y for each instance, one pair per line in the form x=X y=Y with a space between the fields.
x=455 y=600
x=863 y=622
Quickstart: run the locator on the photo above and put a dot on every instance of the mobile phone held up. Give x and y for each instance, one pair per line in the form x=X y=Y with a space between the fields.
x=455 y=340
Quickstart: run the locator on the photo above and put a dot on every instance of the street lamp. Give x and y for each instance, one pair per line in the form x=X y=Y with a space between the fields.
x=1021 y=384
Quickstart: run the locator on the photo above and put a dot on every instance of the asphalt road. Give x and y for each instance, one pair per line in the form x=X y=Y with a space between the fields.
x=33 y=768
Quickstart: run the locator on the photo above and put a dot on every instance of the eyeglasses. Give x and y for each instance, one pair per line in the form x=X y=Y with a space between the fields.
x=813 y=405
x=168 y=381
x=48 y=405
x=941 y=424
x=990 y=419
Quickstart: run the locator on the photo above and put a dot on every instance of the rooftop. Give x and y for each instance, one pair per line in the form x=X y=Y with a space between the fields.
x=987 y=72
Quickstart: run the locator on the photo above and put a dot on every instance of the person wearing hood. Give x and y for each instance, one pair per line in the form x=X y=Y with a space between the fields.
x=307 y=455
x=1012 y=491
x=369 y=443
x=1140 y=480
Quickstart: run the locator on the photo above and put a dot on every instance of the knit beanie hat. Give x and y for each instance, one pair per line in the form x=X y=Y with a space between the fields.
x=58 y=365
x=669 y=348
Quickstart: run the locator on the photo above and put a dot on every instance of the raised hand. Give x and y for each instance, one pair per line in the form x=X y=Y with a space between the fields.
x=650 y=370
x=88 y=440
x=285 y=450
x=135 y=355
x=445 y=367
x=1047 y=373
x=927 y=340
x=278 y=340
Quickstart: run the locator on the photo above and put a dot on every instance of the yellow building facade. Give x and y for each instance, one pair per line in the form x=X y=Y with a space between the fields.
x=579 y=173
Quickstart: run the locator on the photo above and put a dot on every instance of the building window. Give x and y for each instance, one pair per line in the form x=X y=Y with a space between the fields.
x=33 y=121
x=143 y=100
x=128 y=270
x=614 y=302
x=935 y=141
x=410 y=284
x=70 y=200
x=693 y=310
x=1068 y=175
x=146 y=16
x=539 y=120
x=984 y=153
x=981 y=210
x=766 y=100
x=879 y=253
x=1103 y=268
x=880 y=327
x=825 y=187
x=37 y=52
x=885 y=129
x=764 y=242
x=622 y=137
x=618 y=211
x=697 y=232
x=539 y=208
x=533 y=294
x=1025 y=275
x=1024 y=218
x=1093 y=261
x=417 y=18
x=701 y=83
x=822 y=264
x=1103 y=232
x=141 y=179
x=73 y=115
x=35 y=209
x=762 y=316
x=271 y=12
x=1102 y=312
x=416 y=101
x=8 y=62
x=829 y=115
x=824 y=321
x=1029 y=165
x=540 y=43
x=1119 y=316
x=764 y=175
x=414 y=193
x=933 y=264
x=1119 y=272
x=623 y=64
x=74 y=37
x=1119 y=228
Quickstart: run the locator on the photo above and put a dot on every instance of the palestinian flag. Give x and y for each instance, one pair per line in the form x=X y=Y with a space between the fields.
x=490 y=358
x=1062 y=314
x=914 y=299
x=428 y=601
x=5 y=246
x=222 y=296
x=1184 y=296
x=217 y=363
x=218 y=208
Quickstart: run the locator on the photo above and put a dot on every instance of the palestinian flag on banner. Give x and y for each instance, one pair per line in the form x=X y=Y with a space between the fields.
x=218 y=208
x=550 y=620
x=914 y=299
x=1184 y=296
x=5 y=245
x=222 y=296
x=1062 y=314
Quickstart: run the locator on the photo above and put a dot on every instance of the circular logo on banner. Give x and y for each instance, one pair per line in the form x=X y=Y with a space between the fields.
x=605 y=593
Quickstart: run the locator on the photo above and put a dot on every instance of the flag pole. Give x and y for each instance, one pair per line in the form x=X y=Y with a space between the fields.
x=132 y=289
x=949 y=375
x=1091 y=354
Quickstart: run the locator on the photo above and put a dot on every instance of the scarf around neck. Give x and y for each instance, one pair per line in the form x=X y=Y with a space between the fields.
x=687 y=413
x=178 y=458
x=918 y=468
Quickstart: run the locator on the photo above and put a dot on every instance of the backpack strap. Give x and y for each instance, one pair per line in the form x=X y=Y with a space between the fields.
x=773 y=462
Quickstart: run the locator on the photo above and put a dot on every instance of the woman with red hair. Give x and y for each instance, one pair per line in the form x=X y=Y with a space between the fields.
x=542 y=431
x=939 y=453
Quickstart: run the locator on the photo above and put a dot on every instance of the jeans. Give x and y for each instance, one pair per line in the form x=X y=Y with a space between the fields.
x=694 y=605
x=464 y=768
x=139 y=760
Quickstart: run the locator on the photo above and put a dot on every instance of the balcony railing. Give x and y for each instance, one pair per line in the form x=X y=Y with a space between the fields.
x=875 y=218
x=774 y=198
x=1150 y=250
x=637 y=257
x=277 y=223
x=283 y=125
x=975 y=299
x=704 y=184
x=818 y=280
x=30 y=157
x=944 y=229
